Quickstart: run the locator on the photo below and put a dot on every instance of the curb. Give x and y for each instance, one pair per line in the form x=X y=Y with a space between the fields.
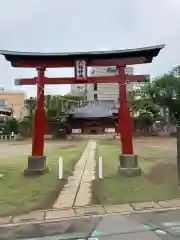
x=25 y=223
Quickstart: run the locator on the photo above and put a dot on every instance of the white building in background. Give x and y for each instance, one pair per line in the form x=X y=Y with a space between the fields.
x=106 y=91
x=101 y=91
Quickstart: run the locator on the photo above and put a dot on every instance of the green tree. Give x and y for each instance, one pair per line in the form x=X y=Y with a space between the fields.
x=57 y=109
x=30 y=104
x=142 y=101
x=175 y=72
x=26 y=126
x=145 y=110
x=52 y=106
x=56 y=106
x=167 y=95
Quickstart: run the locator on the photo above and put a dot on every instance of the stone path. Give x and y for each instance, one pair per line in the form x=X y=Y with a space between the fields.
x=77 y=191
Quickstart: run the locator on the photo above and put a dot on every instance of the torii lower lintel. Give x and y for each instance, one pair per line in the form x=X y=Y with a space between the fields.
x=72 y=80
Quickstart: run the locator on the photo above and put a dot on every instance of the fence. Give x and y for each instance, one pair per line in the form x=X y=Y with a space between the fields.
x=7 y=136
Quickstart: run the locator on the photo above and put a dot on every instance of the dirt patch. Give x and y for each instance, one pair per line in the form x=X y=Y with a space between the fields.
x=162 y=173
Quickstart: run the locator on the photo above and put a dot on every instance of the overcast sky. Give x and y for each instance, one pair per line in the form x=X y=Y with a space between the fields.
x=82 y=25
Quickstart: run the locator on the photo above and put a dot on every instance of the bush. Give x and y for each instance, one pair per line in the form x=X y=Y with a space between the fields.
x=11 y=125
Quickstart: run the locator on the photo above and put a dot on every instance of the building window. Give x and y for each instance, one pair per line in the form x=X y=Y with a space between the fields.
x=95 y=122
x=95 y=86
x=3 y=103
x=95 y=96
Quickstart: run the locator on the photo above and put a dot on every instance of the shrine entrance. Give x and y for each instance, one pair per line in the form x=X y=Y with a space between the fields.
x=80 y=61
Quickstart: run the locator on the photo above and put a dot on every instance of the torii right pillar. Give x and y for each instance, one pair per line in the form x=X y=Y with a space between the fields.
x=128 y=160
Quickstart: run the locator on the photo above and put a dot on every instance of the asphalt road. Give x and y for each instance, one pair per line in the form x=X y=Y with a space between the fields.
x=150 y=226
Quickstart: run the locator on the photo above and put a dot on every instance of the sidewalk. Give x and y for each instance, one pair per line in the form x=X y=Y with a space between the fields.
x=78 y=212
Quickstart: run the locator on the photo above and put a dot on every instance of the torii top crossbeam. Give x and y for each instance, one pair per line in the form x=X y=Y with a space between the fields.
x=95 y=58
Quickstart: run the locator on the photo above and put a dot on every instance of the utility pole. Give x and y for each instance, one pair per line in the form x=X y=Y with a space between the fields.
x=85 y=92
x=178 y=150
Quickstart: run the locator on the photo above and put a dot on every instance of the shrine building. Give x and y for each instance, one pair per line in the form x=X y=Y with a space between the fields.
x=97 y=117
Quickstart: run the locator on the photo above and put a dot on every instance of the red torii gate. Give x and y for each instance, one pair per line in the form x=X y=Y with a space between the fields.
x=80 y=62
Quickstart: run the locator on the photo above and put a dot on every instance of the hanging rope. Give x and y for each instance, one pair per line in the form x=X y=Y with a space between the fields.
x=65 y=101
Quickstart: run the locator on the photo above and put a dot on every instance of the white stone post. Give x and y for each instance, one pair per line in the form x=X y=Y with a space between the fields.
x=100 y=172
x=60 y=173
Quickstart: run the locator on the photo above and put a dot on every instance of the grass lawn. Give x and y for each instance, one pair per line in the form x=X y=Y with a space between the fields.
x=158 y=181
x=19 y=194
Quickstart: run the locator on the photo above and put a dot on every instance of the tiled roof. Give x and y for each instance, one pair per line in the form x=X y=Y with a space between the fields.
x=95 y=110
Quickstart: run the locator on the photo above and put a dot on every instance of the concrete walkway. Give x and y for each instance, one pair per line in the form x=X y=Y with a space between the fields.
x=77 y=191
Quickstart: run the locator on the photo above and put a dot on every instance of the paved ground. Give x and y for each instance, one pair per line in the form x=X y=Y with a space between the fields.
x=20 y=148
x=64 y=213
x=158 y=148
x=140 y=144
x=150 y=225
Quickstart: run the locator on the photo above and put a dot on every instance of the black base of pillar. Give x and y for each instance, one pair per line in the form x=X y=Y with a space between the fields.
x=36 y=166
x=129 y=165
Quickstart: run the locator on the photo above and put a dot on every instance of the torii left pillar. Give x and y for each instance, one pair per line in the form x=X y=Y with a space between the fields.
x=128 y=160
x=37 y=162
